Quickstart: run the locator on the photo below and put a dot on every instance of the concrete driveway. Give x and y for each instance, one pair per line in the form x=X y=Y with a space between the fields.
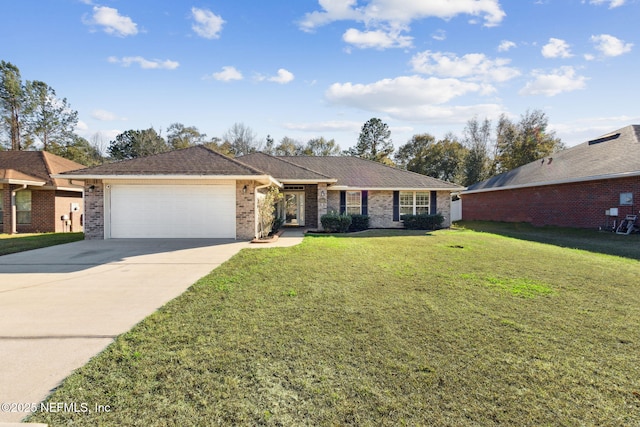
x=62 y=305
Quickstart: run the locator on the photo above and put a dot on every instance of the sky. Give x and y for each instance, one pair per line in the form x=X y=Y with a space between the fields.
x=321 y=68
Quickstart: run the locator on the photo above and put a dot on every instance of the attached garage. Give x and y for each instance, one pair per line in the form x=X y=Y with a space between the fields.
x=171 y=210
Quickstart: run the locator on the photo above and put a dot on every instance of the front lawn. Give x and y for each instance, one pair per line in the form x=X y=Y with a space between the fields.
x=449 y=328
x=11 y=243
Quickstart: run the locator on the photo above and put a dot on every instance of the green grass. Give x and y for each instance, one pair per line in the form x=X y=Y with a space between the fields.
x=11 y=243
x=590 y=240
x=450 y=328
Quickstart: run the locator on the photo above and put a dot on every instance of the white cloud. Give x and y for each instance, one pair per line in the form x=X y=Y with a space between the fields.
x=402 y=12
x=328 y=126
x=506 y=45
x=283 y=77
x=208 y=24
x=103 y=115
x=401 y=92
x=556 y=48
x=144 y=63
x=112 y=22
x=439 y=35
x=378 y=39
x=612 y=3
x=475 y=66
x=609 y=45
x=560 y=80
x=81 y=126
x=228 y=74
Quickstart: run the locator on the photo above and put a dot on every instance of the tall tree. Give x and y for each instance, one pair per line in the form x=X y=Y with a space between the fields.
x=181 y=136
x=477 y=140
x=12 y=102
x=443 y=159
x=137 y=143
x=269 y=145
x=48 y=118
x=79 y=150
x=526 y=141
x=242 y=139
x=321 y=147
x=216 y=144
x=288 y=147
x=374 y=142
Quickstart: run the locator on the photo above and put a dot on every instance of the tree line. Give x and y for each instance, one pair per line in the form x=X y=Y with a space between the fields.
x=32 y=116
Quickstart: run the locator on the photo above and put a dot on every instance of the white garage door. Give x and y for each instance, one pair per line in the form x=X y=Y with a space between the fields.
x=160 y=211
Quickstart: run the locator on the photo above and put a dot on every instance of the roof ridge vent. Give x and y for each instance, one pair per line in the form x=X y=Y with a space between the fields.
x=605 y=138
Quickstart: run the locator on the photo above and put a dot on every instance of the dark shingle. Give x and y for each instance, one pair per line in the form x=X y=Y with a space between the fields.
x=280 y=168
x=609 y=155
x=196 y=160
x=360 y=173
x=38 y=164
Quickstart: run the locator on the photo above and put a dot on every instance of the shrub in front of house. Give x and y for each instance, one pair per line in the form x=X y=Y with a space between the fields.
x=359 y=222
x=423 y=221
x=335 y=223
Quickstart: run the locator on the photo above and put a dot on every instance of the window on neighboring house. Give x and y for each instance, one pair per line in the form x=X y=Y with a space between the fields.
x=354 y=203
x=23 y=207
x=414 y=202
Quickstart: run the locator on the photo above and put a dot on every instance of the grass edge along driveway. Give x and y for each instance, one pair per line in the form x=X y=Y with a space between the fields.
x=448 y=328
x=12 y=243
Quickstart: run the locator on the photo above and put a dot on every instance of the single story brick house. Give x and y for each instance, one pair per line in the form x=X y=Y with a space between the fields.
x=572 y=188
x=32 y=200
x=199 y=193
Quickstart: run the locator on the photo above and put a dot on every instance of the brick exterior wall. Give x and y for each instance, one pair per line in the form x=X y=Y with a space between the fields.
x=381 y=208
x=93 y=209
x=47 y=206
x=322 y=202
x=246 y=220
x=311 y=217
x=578 y=205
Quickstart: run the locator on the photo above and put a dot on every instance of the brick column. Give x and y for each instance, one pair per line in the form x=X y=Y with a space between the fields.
x=322 y=202
x=93 y=210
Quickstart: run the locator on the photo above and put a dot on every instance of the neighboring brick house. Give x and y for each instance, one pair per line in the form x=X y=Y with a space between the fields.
x=572 y=188
x=32 y=201
x=197 y=192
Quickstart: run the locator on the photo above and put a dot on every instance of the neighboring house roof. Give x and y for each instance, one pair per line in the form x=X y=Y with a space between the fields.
x=614 y=155
x=35 y=168
x=282 y=169
x=192 y=162
x=355 y=172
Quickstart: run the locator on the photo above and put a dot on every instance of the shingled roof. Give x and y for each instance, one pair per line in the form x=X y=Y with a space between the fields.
x=613 y=155
x=196 y=161
x=282 y=169
x=37 y=167
x=354 y=172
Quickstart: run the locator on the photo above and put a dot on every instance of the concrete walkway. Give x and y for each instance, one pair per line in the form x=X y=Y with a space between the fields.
x=62 y=305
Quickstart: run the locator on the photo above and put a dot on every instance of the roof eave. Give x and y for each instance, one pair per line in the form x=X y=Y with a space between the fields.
x=306 y=181
x=554 y=182
x=347 y=188
x=22 y=182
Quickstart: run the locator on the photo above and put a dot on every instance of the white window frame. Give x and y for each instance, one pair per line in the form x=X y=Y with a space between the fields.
x=413 y=205
x=351 y=207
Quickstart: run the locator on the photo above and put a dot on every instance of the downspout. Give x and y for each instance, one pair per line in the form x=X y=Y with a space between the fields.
x=14 y=210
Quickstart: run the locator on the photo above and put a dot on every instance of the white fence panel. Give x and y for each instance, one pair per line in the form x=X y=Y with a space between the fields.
x=456 y=210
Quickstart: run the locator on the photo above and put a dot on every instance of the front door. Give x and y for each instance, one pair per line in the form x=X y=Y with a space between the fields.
x=293 y=208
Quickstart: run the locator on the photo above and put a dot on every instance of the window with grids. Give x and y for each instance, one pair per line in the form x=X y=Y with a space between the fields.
x=23 y=207
x=354 y=203
x=414 y=202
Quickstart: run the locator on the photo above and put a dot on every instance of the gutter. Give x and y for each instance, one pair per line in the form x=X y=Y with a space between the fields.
x=556 y=182
x=347 y=188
